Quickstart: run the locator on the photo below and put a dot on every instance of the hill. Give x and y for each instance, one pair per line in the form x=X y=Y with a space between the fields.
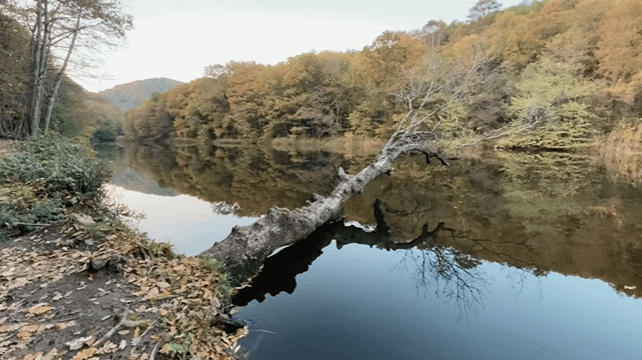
x=130 y=95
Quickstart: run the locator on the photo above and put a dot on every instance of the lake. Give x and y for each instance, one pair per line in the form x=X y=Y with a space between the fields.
x=499 y=256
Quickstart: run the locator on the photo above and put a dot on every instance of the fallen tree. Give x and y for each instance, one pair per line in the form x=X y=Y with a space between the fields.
x=280 y=270
x=245 y=249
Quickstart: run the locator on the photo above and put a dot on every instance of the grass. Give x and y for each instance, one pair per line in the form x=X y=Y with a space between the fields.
x=621 y=151
x=42 y=177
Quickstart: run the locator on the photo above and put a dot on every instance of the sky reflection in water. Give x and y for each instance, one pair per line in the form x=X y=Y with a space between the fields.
x=362 y=303
x=187 y=222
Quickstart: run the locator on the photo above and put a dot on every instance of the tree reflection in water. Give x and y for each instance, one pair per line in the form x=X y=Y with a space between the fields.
x=436 y=267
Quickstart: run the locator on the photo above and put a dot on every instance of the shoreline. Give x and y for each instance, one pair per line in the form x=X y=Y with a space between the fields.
x=90 y=287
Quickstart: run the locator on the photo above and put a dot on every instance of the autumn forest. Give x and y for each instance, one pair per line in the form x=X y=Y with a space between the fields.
x=545 y=75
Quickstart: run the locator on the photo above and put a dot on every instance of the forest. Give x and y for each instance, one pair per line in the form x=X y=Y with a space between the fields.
x=544 y=75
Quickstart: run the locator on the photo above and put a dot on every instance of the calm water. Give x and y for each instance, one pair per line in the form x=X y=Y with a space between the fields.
x=538 y=257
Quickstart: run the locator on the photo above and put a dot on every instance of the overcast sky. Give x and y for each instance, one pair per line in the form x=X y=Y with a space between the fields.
x=177 y=39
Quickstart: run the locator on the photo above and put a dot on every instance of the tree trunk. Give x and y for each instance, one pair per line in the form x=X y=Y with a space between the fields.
x=54 y=92
x=41 y=61
x=247 y=247
x=38 y=60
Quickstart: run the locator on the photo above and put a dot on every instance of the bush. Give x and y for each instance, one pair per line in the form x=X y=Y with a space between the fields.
x=59 y=163
x=43 y=176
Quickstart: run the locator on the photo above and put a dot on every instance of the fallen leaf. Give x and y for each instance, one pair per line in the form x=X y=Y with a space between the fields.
x=54 y=354
x=166 y=349
x=90 y=340
x=122 y=345
x=63 y=326
x=179 y=268
x=26 y=331
x=207 y=294
x=108 y=348
x=33 y=356
x=85 y=354
x=76 y=343
x=40 y=309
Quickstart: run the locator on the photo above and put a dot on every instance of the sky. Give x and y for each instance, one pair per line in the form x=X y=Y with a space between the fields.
x=177 y=39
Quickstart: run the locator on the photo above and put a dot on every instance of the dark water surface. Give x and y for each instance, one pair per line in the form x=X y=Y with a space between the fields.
x=507 y=256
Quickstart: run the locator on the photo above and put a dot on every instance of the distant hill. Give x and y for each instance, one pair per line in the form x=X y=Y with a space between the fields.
x=130 y=95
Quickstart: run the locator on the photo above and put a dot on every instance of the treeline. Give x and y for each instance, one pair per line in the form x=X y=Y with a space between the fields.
x=36 y=95
x=551 y=74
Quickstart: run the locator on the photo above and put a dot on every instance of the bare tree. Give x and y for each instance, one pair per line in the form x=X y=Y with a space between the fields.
x=58 y=27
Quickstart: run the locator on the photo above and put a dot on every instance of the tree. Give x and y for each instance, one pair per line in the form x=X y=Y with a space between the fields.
x=381 y=69
x=435 y=33
x=58 y=28
x=619 y=49
x=547 y=103
x=483 y=8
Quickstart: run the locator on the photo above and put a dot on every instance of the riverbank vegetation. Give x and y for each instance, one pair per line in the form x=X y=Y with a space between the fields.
x=43 y=179
x=622 y=151
x=544 y=75
x=136 y=298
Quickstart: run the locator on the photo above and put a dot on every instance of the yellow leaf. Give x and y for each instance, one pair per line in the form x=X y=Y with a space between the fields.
x=40 y=309
x=85 y=354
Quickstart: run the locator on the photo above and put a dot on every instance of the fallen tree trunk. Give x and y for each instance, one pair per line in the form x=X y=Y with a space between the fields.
x=280 y=270
x=245 y=249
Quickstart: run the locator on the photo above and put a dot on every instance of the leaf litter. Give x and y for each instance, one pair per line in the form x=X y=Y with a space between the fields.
x=116 y=297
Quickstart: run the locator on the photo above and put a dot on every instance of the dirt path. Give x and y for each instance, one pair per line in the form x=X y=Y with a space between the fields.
x=86 y=290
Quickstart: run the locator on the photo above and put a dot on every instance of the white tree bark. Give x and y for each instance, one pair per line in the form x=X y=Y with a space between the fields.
x=61 y=73
x=40 y=63
x=247 y=247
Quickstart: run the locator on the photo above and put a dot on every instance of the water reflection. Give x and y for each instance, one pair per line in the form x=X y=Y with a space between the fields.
x=522 y=236
x=542 y=212
x=434 y=265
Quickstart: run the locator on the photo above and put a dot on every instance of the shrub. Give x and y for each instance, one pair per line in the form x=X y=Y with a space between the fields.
x=61 y=164
x=43 y=176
